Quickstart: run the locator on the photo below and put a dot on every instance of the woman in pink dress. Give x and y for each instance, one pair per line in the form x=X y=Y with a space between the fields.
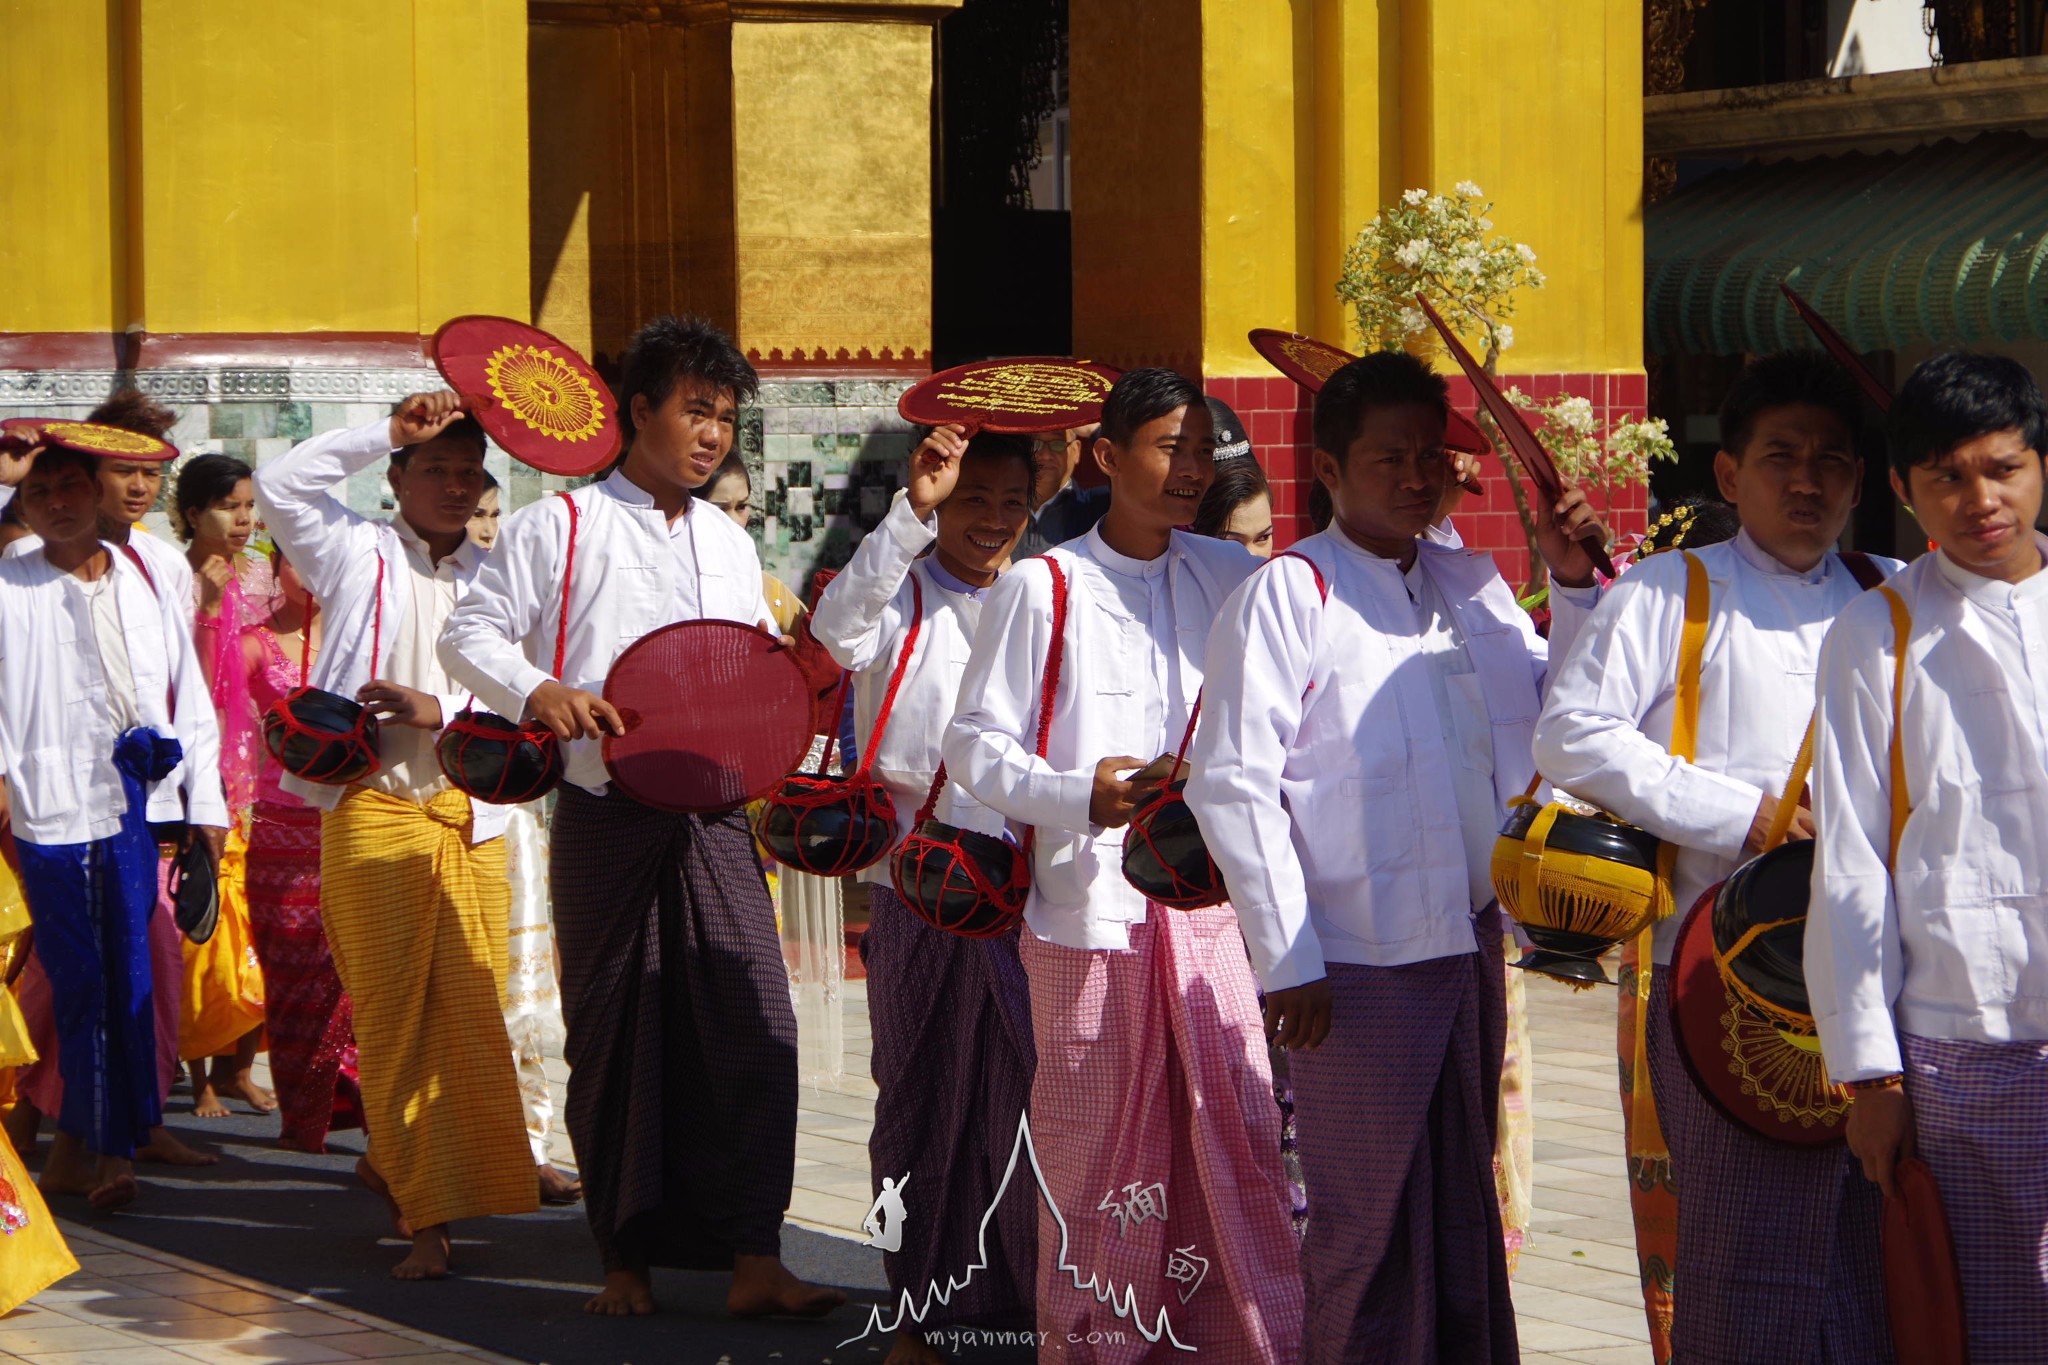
x=311 y=1024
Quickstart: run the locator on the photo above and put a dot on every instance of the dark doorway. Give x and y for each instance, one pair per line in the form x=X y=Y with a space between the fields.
x=1002 y=250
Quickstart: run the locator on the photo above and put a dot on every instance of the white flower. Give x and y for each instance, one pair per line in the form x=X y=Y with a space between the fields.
x=1505 y=335
x=1413 y=254
x=1414 y=196
x=1412 y=320
x=1528 y=256
x=1470 y=190
x=1486 y=224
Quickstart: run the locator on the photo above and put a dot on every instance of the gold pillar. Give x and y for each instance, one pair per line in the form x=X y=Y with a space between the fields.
x=767 y=165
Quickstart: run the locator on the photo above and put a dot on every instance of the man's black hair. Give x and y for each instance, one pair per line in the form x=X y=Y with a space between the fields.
x=204 y=481
x=1958 y=397
x=1144 y=395
x=465 y=429
x=997 y=446
x=50 y=459
x=1776 y=381
x=672 y=348
x=1383 y=379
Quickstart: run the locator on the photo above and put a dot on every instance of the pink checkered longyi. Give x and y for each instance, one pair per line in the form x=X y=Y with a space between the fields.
x=1154 y=1095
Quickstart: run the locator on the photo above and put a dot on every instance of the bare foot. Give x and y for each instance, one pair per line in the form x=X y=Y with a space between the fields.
x=257 y=1098
x=626 y=1293
x=113 y=1184
x=556 y=1187
x=165 y=1148
x=911 y=1348
x=66 y=1172
x=763 y=1287
x=368 y=1174
x=428 y=1259
x=206 y=1102
x=21 y=1123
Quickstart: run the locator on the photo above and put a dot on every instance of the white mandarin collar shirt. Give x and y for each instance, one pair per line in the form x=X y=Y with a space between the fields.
x=1136 y=634
x=338 y=552
x=863 y=619
x=58 y=715
x=1324 y=768
x=1952 y=942
x=635 y=572
x=1606 y=728
x=168 y=567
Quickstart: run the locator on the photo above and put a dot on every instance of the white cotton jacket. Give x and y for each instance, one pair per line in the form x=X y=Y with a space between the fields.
x=1606 y=730
x=862 y=620
x=634 y=573
x=57 y=728
x=337 y=551
x=1322 y=780
x=1136 y=634
x=167 y=565
x=1952 y=942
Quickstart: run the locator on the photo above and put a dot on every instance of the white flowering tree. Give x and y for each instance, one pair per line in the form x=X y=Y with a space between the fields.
x=1443 y=247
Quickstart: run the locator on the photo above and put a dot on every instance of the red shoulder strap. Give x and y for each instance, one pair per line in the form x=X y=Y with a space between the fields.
x=1187 y=736
x=568 y=575
x=135 y=558
x=1862 y=568
x=867 y=758
x=1314 y=568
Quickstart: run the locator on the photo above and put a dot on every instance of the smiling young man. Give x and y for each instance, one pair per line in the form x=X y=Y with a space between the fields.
x=1366 y=721
x=951 y=1016
x=104 y=724
x=681 y=1037
x=1777 y=1244
x=412 y=872
x=1152 y=1108
x=1925 y=939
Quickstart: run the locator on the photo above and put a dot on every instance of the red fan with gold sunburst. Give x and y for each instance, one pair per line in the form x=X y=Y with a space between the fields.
x=531 y=392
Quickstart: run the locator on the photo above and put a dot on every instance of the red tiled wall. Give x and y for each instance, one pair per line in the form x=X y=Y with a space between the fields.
x=1276 y=414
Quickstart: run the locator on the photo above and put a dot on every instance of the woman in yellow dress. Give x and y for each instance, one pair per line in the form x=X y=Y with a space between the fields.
x=32 y=1252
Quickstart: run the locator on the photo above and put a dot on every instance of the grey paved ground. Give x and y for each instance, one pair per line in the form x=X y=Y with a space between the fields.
x=1576 y=1293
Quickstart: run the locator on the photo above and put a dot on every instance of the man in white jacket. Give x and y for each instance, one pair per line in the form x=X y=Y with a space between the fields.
x=413 y=889
x=1927 y=934
x=951 y=1016
x=1152 y=1108
x=1369 y=705
x=104 y=724
x=1777 y=1244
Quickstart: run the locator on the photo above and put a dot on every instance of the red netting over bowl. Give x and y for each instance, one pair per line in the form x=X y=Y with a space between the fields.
x=1165 y=858
x=491 y=759
x=962 y=881
x=716 y=715
x=322 y=737
x=831 y=826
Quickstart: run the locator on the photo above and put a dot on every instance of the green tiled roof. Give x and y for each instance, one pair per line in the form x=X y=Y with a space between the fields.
x=1941 y=244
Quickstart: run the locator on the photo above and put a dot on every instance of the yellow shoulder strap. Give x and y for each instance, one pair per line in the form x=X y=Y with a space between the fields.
x=1902 y=634
x=1692 y=649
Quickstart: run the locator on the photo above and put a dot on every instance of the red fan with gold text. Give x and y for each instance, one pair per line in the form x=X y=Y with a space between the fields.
x=1022 y=394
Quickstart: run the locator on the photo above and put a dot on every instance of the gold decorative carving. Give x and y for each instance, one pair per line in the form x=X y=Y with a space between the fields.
x=1667 y=32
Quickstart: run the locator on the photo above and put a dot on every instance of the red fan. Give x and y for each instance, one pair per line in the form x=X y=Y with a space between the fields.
x=1026 y=394
x=1529 y=451
x=116 y=443
x=535 y=396
x=1310 y=363
x=1923 y=1288
x=716 y=714
x=1839 y=349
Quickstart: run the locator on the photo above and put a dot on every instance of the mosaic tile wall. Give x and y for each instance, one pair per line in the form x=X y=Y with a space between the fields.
x=825 y=455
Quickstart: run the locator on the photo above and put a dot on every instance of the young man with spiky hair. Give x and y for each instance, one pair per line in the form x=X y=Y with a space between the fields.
x=1925 y=957
x=1776 y=1244
x=682 y=1040
x=413 y=890
x=1152 y=1108
x=1366 y=722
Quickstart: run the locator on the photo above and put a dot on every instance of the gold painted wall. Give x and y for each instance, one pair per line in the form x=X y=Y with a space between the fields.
x=244 y=166
x=832 y=219
x=61 y=252
x=1303 y=117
